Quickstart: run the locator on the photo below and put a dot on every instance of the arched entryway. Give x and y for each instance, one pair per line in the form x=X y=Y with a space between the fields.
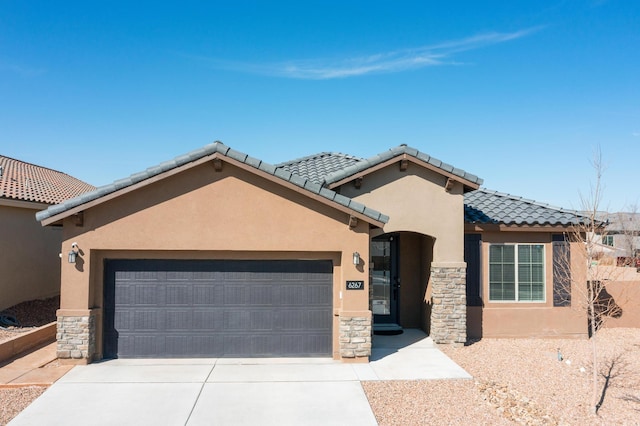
x=399 y=274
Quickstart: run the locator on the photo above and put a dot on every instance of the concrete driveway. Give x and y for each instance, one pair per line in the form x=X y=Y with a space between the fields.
x=234 y=391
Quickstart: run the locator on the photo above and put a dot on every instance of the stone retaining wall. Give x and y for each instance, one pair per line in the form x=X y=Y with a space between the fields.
x=449 y=309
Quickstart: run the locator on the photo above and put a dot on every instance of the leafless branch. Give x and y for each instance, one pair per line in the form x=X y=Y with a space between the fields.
x=580 y=281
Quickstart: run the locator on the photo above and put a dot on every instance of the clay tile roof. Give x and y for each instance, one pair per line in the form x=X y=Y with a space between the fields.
x=491 y=207
x=329 y=167
x=216 y=147
x=28 y=182
x=316 y=167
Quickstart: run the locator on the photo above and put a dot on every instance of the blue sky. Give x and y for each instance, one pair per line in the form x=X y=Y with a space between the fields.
x=519 y=93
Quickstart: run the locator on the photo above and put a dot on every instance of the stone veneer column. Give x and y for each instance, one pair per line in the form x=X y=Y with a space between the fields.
x=355 y=334
x=76 y=336
x=449 y=303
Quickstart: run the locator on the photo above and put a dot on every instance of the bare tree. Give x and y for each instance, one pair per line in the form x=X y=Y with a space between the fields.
x=579 y=272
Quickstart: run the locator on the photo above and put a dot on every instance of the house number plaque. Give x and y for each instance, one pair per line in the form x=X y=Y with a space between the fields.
x=355 y=285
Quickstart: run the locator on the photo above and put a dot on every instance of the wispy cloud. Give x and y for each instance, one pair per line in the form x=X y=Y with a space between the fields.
x=388 y=62
x=21 y=70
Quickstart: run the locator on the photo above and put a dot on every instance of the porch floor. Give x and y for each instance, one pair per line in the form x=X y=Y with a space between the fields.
x=411 y=355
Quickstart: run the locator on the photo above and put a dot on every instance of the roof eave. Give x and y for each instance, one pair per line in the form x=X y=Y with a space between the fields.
x=24 y=204
x=483 y=227
x=253 y=168
x=119 y=192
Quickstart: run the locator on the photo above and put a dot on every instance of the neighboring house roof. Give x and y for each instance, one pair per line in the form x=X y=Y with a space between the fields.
x=317 y=167
x=491 y=207
x=200 y=154
x=27 y=182
x=623 y=223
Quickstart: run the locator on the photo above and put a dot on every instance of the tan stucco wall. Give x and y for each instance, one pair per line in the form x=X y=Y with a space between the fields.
x=204 y=214
x=415 y=293
x=627 y=296
x=530 y=319
x=411 y=263
x=426 y=287
x=416 y=201
x=29 y=257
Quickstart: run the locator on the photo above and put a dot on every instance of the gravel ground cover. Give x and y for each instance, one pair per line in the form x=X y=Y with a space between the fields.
x=521 y=381
x=515 y=381
x=30 y=314
x=14 y=400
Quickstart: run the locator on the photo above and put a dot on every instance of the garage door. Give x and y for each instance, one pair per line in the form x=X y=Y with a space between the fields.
x=184 y=308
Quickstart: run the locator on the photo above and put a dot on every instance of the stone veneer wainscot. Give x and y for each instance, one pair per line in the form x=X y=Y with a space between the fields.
x=76 y=337
x=449 y=298
x=355 y=335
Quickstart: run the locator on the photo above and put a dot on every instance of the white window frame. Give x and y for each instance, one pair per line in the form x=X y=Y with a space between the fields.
x=515 y=249
x=608 y=238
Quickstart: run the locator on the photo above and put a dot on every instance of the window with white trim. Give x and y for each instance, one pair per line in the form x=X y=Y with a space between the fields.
x=516 y=273
x=607 y=240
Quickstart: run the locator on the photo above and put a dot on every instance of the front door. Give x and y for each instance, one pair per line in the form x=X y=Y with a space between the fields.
x=385 y=280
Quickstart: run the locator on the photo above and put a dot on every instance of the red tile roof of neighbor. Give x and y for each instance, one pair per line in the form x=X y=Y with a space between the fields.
x=28 y=182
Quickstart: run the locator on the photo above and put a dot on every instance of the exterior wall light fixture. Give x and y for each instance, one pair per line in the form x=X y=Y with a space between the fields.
x=73 y=253
x=356 y=258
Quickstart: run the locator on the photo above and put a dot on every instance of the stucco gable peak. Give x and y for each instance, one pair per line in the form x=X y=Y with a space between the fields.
x=402 y=152
x=214 y=151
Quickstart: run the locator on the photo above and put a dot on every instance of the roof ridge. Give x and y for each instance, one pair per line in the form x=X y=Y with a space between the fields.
x=210 y=149
x=394 y=152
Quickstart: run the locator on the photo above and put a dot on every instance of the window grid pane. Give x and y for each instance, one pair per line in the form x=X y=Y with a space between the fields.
x=516 y=272
x=502 y=273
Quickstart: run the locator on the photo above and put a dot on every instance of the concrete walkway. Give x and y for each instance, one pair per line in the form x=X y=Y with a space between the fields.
x=278 y=391
x=411 y=356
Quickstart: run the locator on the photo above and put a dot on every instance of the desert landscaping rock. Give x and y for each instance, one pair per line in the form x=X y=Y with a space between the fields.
x=521 y=381
x=14 y=400
x=515 y=381
x=31 y=314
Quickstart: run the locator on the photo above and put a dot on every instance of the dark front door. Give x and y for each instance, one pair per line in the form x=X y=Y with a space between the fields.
x=218 y=308
x=385 y=279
